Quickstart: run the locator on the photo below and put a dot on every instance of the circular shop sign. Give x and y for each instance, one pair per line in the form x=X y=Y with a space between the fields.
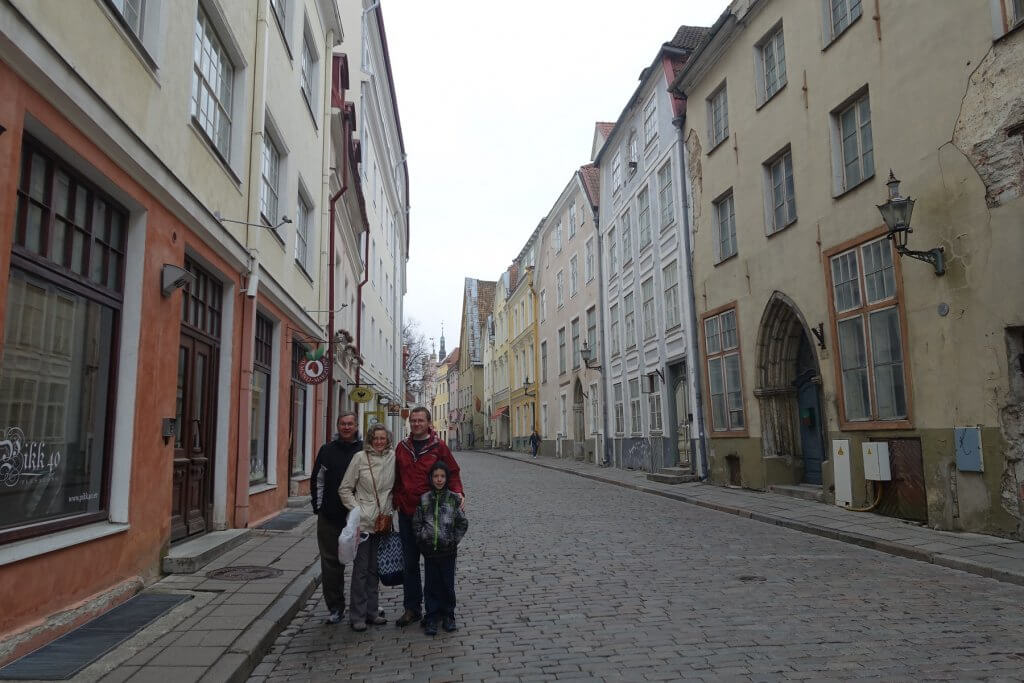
x=361 y=394
x=312 y=371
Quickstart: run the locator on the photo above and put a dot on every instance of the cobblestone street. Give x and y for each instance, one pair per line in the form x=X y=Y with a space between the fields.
x=561 y=577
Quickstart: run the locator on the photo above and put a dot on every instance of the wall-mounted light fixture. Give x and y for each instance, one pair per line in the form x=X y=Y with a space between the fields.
x=221 y=219
x=526 y=388
x=174 y=277
x=587 y=356
x=896 y=214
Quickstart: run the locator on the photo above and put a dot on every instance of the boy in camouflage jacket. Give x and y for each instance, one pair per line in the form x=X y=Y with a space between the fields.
x=439 y=524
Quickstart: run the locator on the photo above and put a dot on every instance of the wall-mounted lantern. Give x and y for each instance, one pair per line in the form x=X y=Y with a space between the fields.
x=896 y=213
x=587 y=356
x=526 y=388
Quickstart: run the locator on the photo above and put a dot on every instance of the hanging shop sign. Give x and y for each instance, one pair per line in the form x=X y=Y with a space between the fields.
x=372 y=417
x=313 y=368
x=394 y=410
x=361 y=394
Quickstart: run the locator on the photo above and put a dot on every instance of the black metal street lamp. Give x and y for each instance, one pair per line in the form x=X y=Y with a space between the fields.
x=587 y=356
x=896 y=213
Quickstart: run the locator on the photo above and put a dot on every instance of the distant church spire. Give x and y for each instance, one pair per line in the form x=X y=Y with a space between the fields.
x=441 y=355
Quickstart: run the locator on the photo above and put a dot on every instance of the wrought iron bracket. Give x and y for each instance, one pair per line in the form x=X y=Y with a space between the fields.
x=819 y=334
x=933 y=256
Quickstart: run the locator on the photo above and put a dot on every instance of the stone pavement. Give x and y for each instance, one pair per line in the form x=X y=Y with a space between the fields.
x=226 y=628
x=565 y=577
x=991 y=556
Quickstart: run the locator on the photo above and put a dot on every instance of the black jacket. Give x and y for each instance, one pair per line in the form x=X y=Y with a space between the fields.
x=328 y=470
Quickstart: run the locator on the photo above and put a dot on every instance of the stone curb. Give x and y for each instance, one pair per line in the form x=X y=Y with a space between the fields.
x=249 y=649
x=880 y=545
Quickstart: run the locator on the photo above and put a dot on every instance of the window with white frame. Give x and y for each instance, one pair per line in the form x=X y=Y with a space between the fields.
x=771 y=65
x=837 y=16
x=560 y=289
x=543 y=305
x=725 y=227
x=853 y=156
x=595 y=414
x=627 y=237
x=620 y=425
x=592 y=330
x=270 y=171
x=130 y=12
x=574 y=275
x=616 y=171
x=650 y=121
x=722 y=350
x=558 y=237
x=308 y=72
x=575 y=328
x=613 y=253
x=213 y=77
x=303 y=230
x=544 y=361
x=643 y=217
x=670 y=277
x=654 y=405
x=780 y=195
x=668 y=214
x=629 y=319
x=718 y=117
x=588 y=260
x=647 y=292
x=279 y=8
x=613 y=313
x=544 y=418
x=572 y=220
x=635 y=424
x=866 y=303
x=561 y=351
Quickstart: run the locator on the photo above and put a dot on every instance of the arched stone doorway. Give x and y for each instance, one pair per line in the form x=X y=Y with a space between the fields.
x=788 y=389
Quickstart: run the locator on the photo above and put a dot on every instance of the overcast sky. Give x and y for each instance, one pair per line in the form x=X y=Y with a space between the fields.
x=498 y=103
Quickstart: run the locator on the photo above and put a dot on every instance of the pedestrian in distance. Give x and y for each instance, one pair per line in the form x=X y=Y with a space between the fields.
x=414 y=457
x=367 y=484
x=534 y=442
x=439 y=524
x=329 y=468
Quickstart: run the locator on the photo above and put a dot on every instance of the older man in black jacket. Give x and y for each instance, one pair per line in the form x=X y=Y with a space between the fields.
x=331 y=462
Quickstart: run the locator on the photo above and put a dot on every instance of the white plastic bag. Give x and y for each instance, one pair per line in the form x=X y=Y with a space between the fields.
x=348 y=541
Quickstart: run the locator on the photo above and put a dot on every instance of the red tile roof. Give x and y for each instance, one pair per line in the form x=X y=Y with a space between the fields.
x=605 y=128
x=688 y=37
x=591 y=183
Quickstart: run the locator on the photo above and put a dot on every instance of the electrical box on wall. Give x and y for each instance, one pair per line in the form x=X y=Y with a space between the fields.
x=968 y=449
x=841 y=472
x=876 y=461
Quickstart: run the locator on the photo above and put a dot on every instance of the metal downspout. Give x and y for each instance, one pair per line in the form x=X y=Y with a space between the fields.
x=692 y=352
x=600 y=308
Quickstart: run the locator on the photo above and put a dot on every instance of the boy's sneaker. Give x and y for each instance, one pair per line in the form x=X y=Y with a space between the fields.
x=407 y=618
x=334 y=617
x=358 y=625
x=449 y=624
x=430 y=627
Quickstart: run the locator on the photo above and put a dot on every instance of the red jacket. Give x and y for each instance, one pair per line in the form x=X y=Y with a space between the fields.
x=411 y=472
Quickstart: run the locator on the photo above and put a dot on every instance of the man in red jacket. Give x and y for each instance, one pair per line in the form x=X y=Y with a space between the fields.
x=413 y=459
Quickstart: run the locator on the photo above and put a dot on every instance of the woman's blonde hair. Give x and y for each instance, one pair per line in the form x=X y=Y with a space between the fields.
x=379 y=428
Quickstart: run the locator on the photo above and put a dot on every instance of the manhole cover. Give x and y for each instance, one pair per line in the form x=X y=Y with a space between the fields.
x=243 y=573
x=751 y=579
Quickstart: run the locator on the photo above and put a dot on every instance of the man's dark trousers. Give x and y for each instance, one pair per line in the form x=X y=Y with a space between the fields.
x=439 y=592
x=412 y=586
x=332 y=571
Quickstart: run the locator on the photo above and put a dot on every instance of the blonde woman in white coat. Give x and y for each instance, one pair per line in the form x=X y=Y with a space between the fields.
x=367 y=483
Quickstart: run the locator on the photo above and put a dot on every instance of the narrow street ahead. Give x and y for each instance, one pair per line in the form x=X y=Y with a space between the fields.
x=561 y=577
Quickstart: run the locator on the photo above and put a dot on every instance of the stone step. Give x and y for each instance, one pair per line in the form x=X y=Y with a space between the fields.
x=298 y=501
x=190 y=556
x=672 y=475
x=803 y=491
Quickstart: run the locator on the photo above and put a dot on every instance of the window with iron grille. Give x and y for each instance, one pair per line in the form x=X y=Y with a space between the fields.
x=213 y=77
x=259 y=424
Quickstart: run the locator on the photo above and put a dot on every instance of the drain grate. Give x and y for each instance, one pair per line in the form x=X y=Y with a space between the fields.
x=243 y=573
x=286 y=521
x=72 y=652
x=748 y=578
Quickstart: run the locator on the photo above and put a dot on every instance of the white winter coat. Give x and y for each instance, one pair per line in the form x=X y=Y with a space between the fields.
x=357 y=485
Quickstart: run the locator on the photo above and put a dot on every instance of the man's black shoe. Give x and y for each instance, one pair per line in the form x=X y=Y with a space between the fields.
x=430 y=627
x=407 y=618
x=449 y=624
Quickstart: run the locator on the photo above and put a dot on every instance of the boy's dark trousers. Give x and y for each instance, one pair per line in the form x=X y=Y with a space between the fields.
x=439 y=588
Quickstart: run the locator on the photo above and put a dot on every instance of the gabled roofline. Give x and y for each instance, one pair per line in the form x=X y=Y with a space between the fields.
x=707 y=53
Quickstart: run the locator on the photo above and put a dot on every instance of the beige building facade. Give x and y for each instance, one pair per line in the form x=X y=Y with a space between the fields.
x=817 y=336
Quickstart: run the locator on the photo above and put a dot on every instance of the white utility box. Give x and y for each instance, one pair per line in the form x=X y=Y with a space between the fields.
x=841 y=472
x=876 y=461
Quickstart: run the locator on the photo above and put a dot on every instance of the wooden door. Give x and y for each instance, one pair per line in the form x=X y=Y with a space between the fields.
x=191 y=501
